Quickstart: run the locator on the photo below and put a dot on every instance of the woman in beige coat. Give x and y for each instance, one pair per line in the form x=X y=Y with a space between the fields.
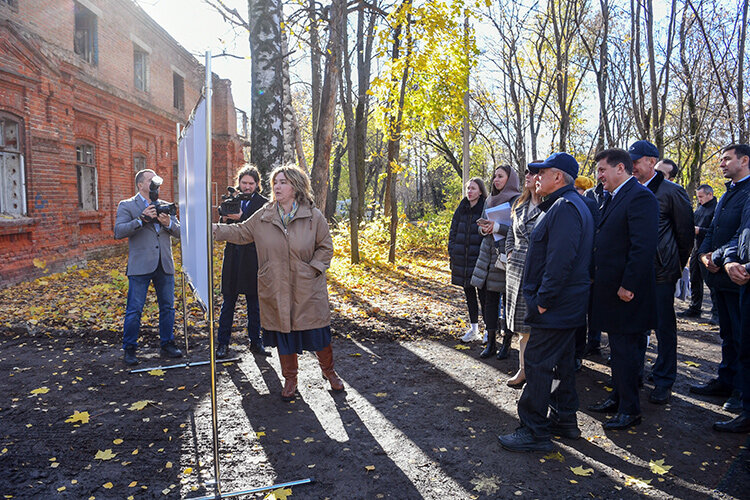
x=294 y=251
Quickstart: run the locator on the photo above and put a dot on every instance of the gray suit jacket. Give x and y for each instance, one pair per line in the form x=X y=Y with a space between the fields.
x=145 y=245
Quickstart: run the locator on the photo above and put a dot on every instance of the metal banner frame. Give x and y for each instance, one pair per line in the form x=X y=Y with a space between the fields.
x=208 y=308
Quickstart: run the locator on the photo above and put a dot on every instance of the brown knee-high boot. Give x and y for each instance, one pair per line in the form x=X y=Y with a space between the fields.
x=289 y=371
x=325 y=358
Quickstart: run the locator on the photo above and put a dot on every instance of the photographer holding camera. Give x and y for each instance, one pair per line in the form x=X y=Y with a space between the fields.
x=239 y=271
x=148 y=223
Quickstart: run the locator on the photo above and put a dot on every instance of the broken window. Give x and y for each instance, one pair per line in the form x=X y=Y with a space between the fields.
x=178 y=89
x=88 y=198
x=12 y=175
x=140 y=68
x=85 y=40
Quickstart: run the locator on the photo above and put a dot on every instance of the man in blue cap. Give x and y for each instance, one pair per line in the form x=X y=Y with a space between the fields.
x=676 y=231
x=556 y=282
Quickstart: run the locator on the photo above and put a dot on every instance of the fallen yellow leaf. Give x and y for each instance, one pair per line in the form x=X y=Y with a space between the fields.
x=381 y=394
x=692 y=363
x=133 y=484
x=117 y=441
x=157 y=372
x=169 y=465
x=309 y=440
x=108 y=485
x=41 y=390
x=658 y=467
x=279 y=494
x=77 y=416
x=139 y=405
x=105 y=455
x=638 y=483
x=461 y=347
x=555 y=456
x=580 y=471
x=369 y=467
x=188 y=470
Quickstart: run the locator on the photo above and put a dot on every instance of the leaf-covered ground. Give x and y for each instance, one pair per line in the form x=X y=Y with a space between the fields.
x=419 y=417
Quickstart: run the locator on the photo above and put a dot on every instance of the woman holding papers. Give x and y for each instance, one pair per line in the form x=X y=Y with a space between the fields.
x=294 y=251
x=488 y=277
x=524 y=215
x=464 y=241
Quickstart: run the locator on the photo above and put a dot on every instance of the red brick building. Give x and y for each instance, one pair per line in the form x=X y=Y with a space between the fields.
x=90 y=92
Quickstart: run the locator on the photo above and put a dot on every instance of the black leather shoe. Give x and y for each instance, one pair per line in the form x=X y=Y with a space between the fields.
x=504 y=350
x=256 y=348
x=739 y=424
x=712 y=388
x=570 y=431
x=660 y=395
x=129 y=357
x=609 y=405
x=689 y=313
x=491 y=346
x=622 y=421
x=714 y=321
x=523 y=440
x=734 y=403
x=169 y=350
x=222 y=351
x=650 y=378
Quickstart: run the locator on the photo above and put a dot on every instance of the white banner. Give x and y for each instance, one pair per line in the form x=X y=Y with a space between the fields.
x=194 y=205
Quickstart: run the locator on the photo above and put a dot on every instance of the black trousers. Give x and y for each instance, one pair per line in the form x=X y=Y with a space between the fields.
x=472 y=303
x=547 y=349
x=490 y=308
x=745 y=348
x=728 y=304
x=696 y=282
x=628 y=351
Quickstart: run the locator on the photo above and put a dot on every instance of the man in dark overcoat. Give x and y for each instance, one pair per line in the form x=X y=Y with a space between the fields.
x=239 y=271
x=624 y=303
x=556 y=282
x=676 y=234
x=735 y=166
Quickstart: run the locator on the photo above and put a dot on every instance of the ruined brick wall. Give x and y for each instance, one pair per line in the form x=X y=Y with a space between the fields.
x=62 y=100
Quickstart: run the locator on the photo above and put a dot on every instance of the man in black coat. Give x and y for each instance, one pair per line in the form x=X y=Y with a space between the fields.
x=676 y=233
x=556 y=282
x=737 y=266
x=735 y=166
x=239 y=271
x=703 y=215
x=624 y=303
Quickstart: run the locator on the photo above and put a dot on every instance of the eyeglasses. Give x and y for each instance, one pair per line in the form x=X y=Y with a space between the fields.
x=527 y=172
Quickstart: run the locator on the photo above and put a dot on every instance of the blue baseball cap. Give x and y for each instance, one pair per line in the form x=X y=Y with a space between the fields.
x=639 y=149
x=560 y=161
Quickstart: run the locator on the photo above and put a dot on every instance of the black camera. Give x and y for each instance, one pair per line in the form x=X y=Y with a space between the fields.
x=162 y=207
x=232 y=203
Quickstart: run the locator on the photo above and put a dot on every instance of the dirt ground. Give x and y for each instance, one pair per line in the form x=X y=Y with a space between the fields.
x=419 y=417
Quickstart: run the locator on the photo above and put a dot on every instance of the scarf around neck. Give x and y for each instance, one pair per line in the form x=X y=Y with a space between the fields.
x=509 y=191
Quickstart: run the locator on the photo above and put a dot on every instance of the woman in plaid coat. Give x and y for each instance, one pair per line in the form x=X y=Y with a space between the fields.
x=523 y=219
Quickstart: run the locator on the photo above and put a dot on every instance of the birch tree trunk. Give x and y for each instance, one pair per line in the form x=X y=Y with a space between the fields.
x=267 y=107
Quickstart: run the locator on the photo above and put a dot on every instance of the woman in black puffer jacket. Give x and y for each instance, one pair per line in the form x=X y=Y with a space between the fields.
x=464 y=241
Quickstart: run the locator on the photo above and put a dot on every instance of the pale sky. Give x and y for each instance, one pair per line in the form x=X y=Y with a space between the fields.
x=198 y=28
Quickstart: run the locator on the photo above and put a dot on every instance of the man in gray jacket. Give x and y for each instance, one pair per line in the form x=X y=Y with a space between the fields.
x=149 y=260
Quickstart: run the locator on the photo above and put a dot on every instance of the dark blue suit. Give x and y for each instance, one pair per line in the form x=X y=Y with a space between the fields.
x=624 y=248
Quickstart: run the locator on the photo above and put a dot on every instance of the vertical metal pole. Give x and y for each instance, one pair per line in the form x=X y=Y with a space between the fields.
x=466 y=108
x=182 y=274
x=210 y=242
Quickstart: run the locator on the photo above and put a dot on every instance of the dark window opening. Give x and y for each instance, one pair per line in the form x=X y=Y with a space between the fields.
x=88 y=198
x=178 y=86
x=85 y=40
x=139 y=163
x=140 y=68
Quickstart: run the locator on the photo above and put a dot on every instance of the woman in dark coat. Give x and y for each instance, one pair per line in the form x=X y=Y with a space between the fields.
x=464 y=241
x=239 y=271
x=487 y=276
